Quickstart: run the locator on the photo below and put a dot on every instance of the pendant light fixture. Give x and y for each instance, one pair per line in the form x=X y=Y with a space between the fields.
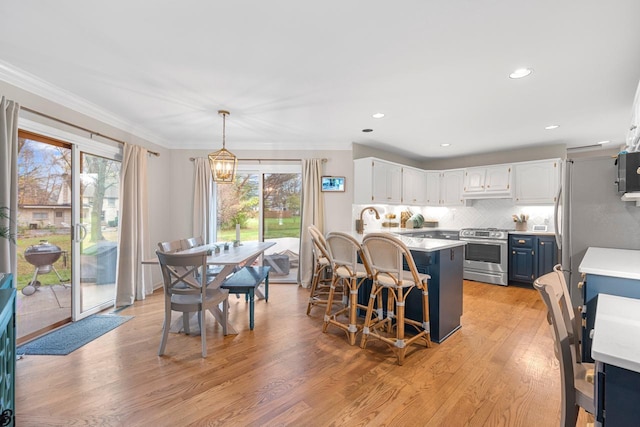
x=222 y=162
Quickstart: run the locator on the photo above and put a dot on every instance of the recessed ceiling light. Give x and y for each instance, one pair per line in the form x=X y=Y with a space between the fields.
x=550 y=127
x=520 y=73
x=444 y=145
x=367 y=130
x=603 y=142
x=378 y=115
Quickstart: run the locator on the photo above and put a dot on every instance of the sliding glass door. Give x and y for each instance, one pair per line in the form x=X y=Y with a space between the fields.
x=68 y=189
x=263 y=204
x=96 y=237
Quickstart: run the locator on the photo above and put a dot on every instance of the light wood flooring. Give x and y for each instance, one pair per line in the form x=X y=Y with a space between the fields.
x=498 y=370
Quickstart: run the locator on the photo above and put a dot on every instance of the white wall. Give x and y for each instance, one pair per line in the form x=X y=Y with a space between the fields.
x=337 y=205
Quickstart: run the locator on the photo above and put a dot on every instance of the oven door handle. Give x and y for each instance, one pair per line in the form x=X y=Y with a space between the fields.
x=484 y=242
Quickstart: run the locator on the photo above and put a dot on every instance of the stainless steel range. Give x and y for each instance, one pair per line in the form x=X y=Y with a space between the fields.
x=485 y=255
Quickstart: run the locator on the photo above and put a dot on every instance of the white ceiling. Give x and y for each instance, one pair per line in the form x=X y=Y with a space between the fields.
x=296 y=74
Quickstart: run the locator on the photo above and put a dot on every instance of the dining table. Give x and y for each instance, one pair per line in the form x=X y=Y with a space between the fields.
x=229 y=257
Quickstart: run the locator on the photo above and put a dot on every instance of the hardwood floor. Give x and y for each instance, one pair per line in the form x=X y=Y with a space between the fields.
x=498 y=370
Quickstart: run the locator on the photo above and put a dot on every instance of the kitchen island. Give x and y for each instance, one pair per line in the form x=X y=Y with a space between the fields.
x=442 y=260
x=605 y=271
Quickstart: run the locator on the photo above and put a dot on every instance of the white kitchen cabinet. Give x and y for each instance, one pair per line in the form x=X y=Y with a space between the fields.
x=537 y=182
x=488 y=182
x=376 y=181
x=414 y=186
x=433 y=188
x=451 y=183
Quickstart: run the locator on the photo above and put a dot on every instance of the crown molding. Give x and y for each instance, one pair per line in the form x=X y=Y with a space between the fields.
x=33 y=84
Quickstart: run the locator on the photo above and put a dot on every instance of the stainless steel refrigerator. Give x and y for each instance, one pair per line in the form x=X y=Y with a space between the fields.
x=592 y=214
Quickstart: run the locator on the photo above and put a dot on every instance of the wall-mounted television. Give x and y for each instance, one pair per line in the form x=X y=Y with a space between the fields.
x=333 y=183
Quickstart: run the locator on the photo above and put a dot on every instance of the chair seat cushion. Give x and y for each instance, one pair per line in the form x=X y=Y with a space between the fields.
x=407 y=280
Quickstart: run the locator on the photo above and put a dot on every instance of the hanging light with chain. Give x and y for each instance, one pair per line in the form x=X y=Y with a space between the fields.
x=222 y=162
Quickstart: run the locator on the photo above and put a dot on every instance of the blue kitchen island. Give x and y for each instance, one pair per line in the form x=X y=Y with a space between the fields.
x=442 y=260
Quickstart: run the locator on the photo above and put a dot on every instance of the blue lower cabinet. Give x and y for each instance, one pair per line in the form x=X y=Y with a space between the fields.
x=617 y=396
x=530 y=257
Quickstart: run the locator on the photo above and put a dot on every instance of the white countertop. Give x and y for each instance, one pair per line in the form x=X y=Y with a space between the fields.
x=623 y=263
x=616 y=332
x=419 y=243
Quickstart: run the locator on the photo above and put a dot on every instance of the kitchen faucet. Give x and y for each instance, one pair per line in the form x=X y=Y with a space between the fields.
x=360 y=222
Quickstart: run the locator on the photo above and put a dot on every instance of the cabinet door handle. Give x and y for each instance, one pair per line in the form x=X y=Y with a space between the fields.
x=514 y=252
x=580 y=285
x=521 y=241
x=541 y=243
x=584 y=323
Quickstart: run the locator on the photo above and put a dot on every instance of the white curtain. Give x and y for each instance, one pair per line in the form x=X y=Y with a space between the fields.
x=312 y=213
x=133 y=234
x=8 y=181
x=202 y=218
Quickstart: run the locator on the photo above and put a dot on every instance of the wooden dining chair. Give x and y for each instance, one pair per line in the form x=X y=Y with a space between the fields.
x=386 y=255
x=191 y=242
x=577 y=390
x=187 y=292
x=170 y=246
x=345 y=252
x=569 y=312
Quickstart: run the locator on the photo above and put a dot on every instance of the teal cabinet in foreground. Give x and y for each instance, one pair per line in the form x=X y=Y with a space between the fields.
x=7 y=350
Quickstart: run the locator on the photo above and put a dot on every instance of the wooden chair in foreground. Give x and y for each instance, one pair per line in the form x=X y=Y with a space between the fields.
x=344 y=251
x=319 y=292
x=385 y=255
x=576 y=390
x=187 y=292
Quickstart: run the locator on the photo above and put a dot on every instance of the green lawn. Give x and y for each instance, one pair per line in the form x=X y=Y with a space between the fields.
x=63 y=240
x=290 y=227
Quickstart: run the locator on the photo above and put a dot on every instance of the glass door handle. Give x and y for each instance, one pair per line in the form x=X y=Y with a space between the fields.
x=81 y=232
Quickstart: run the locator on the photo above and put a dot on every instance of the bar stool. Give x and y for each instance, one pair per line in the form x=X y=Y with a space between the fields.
x=319 y=285
x=386 y=254
x=344 y=251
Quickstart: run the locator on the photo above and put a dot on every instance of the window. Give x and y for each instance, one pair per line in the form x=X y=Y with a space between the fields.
x=59 y=214
x=40 y=216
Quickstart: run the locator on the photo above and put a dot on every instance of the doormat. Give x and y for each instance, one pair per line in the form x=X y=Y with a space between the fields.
x=72 y=336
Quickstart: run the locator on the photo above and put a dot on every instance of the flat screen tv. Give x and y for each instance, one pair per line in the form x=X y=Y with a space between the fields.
x=333 y=183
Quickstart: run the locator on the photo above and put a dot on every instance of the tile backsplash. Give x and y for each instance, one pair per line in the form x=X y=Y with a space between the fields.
x=479 y=213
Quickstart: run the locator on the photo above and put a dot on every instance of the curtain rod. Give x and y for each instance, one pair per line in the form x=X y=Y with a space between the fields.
x=267 y=160
x=81 y=128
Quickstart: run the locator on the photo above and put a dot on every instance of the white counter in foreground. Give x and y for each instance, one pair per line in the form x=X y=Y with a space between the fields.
x=623 y=263
x=616 y=330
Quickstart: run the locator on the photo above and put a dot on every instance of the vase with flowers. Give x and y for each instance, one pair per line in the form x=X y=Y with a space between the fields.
x=521 y=222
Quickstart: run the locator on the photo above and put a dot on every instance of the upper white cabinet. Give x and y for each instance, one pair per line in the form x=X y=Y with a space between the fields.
x=433 y=188
x=488 y=181
x=451 y=187
x=537 y=182
x=414 y=186
x=376 y=181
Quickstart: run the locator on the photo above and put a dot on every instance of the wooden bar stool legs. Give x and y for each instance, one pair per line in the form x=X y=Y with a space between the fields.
x=344 y=251
x=351 y=284
x=387 y=256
